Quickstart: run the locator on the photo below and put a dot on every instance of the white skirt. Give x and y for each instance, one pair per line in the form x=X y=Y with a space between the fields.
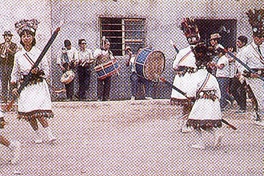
x=205 y=114
x=35 y=100
x=185 y=84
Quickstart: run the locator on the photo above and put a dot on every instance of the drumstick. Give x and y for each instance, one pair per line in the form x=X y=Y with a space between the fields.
x=103 y=41
x=174 y=46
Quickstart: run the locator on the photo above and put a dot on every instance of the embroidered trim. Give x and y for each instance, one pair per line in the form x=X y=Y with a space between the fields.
x=204 y=124
x=35 y=114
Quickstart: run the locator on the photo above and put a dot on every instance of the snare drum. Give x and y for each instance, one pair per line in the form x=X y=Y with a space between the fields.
x=67 y=77
x=150 y=63
x=107 y=69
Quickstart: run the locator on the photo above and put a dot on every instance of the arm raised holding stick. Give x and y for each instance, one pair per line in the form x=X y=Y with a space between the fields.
x=33 y=69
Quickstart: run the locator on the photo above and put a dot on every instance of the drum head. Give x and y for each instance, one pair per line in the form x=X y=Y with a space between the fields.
x=67 y=77
x=154 y=65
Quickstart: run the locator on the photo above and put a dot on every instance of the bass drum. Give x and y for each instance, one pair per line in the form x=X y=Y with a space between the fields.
x=67 y=77
x=150 y=64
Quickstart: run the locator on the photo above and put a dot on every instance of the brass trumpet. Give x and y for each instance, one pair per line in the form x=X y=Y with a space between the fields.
x=3 y=50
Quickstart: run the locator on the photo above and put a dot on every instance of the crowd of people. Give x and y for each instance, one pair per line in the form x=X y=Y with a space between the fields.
x=210 y=76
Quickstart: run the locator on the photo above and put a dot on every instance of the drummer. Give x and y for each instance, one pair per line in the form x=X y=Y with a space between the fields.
x=67 y=61
x=136 y=80
x=103 y=55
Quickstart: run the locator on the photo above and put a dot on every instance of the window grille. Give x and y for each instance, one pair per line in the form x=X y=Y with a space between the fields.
x=123 y=32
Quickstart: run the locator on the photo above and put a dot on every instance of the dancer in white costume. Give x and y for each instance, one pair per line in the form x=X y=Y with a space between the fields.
x=184 y=66
x=206 y=113
x=34 y=101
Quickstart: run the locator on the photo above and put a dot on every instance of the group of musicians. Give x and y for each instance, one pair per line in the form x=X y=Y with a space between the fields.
x=70 y=58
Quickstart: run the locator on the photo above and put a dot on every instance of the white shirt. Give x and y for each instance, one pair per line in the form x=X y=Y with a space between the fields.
x=85 y=56
x=99 y=52
x=72 y=56
x=132 y=64
x=185 y=57
x=232 y=66
x=22 y=65
x=250 y=56
x=224 y=72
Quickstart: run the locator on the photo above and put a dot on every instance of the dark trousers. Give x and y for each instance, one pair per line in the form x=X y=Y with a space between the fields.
x=103 y=88
x=6 y=86
x=137 y=81
x=147 y=85
x=70 y=90
x=84 y=81
x=134 y=84
x=239 y=92
x=224 y=87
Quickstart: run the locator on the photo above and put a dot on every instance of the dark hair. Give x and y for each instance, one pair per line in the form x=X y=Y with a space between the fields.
x=26 y=31
x=67 y=42
x=243 y=39
x=201 y=53
x=81 y=40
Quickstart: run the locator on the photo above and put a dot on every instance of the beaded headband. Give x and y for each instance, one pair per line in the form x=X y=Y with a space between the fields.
x=30 y=25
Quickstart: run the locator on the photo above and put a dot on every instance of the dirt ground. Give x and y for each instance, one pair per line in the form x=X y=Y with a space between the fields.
x=131 y=138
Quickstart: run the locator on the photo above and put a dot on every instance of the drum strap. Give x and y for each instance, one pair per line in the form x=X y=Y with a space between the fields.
x=185 y=56
x=65 y=57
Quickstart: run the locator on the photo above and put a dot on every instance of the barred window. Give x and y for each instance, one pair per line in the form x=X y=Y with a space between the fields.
x=123 y=32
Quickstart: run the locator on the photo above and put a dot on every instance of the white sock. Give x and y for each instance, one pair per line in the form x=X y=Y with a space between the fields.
x=38 y=139
x=49 y=133
x=200 y=141
x=15 y=146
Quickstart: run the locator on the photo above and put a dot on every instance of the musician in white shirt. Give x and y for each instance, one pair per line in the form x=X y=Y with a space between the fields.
x=103 y=55
x=84 y=61
x=67 y=61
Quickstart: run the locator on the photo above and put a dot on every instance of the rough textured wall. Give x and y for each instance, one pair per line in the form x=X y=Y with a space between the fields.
x=81 y=21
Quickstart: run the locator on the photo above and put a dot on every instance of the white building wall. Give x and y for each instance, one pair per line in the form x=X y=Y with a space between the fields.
x=81 y=21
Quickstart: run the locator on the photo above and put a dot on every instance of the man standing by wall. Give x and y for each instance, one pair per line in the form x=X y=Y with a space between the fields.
x=85 y=59
x=253 y=56
x=102 y=56
x=7 y=52
x=67 y=61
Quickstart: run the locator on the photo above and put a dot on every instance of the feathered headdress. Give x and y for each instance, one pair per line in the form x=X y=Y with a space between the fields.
x=30 y=25
x=256 y=20
x=190 y=30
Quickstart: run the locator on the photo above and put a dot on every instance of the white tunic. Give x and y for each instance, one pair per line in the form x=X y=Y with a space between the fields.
x=205 y=109
x=34 y=97
x=186 y=58
x=251 y=56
